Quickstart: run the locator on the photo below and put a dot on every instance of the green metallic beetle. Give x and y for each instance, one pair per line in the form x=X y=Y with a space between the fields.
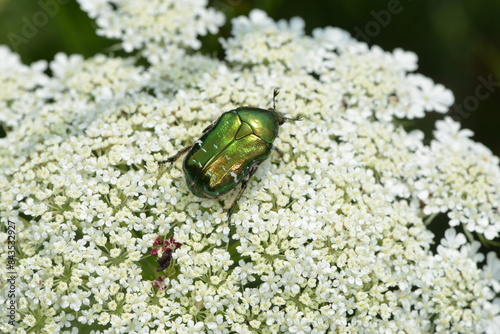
x=230 y=151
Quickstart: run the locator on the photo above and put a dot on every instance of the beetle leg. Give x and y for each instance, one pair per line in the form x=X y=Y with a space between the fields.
x=299 y=118
x=244 y=184
x=177 y=155
x=211 y=125
x=280 y=152
x=275 y=94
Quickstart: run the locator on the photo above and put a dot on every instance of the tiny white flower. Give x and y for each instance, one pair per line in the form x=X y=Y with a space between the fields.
x=453 y=239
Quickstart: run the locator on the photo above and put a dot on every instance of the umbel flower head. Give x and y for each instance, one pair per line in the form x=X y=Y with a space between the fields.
x=331 y=237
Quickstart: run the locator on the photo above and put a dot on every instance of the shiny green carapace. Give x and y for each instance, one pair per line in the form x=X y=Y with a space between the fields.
x=230 y=151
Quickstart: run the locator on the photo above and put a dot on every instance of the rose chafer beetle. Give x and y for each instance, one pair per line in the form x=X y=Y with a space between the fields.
x=230 y=150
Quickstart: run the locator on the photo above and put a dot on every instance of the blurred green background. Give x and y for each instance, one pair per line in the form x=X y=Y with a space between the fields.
x=457 y=41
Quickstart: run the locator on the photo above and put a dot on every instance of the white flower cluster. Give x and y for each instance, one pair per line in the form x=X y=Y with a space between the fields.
x=464 y=183
x=155 y=27
x=329 y=238
x=15 y=104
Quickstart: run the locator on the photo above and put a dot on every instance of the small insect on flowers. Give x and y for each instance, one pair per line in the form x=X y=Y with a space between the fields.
x=230 y=150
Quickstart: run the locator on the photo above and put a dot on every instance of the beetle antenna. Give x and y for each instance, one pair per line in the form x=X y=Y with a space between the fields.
x=275 y=93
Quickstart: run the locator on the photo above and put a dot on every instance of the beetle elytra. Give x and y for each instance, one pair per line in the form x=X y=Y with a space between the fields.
x=230 y=151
